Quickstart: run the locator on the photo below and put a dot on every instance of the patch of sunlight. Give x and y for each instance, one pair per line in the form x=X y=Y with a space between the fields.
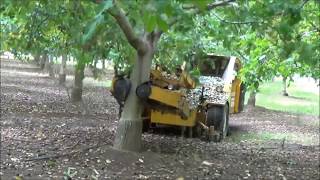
x=299 y=138
x=23 y=73
x=99 y=83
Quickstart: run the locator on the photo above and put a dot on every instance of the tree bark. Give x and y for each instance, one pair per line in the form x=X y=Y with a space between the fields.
x=129 y=131
x=252 y=99
x=76 y=94
x=62 y=72
x=284 y=82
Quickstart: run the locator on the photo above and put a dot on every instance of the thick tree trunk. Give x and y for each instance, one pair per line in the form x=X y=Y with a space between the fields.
x=284 y=81
x=252 y=99
x=129 y=131
x=76 y=94
x=62 y=71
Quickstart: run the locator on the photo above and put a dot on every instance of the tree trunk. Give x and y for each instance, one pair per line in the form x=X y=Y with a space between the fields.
x=252 y=99
x=95 y=62
x=103 y=64
x=76 y=94
x=49 y=66
x=62 y=72
x=284 y=81
x=37 y=59
x=43 y=61
x=94 y=69
x=129 y=131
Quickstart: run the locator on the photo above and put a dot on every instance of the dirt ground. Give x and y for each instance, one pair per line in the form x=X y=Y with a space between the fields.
x=43 y=136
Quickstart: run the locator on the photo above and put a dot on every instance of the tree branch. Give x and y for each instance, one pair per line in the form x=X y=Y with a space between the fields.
x=210 y=6
x=219 y=3
x=123 y=22
x=234 y=22
x=154 y=37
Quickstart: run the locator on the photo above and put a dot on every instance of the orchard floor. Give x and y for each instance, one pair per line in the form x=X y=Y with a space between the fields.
x=43 y=136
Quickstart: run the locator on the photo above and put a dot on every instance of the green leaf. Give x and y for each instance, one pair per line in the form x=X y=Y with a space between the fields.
x=91 y=28
x=162 y=24
x=98 y=19
x=150 y=22
x=202 y=4
x=105 y=5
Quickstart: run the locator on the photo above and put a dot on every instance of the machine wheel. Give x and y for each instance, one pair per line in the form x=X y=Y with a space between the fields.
x=218 y=116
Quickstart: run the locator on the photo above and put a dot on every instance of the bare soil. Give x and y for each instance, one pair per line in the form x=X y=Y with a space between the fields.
x=43 y=136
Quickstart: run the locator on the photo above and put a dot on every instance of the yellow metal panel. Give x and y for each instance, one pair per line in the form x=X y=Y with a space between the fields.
x=236 y=90
x=187 y=81
x=168 y=97
x=173 y=118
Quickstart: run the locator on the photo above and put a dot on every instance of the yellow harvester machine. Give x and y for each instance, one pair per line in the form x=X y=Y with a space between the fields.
x=200 y=108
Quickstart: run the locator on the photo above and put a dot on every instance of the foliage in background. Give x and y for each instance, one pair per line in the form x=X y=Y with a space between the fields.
x=289 y=29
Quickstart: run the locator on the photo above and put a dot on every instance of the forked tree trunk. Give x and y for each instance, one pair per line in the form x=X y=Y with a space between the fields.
x=62 y=71
x=252 y=99
x=129 y=131
x=284 y=82
x=76 y=94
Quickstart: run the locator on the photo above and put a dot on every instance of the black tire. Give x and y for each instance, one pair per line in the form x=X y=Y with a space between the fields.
x=218 y=116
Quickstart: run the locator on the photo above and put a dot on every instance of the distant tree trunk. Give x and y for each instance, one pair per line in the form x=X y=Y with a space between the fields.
x=62 y=72
x=37 y=59
x=103 y=63
x=43 y=61
x=95 y=62
x=284 y=81
x=76 y=94
x=49 y=66
x=94 y=69
x=252 y=99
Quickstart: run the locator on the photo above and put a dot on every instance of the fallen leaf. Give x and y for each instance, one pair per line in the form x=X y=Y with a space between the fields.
x=207 y=163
